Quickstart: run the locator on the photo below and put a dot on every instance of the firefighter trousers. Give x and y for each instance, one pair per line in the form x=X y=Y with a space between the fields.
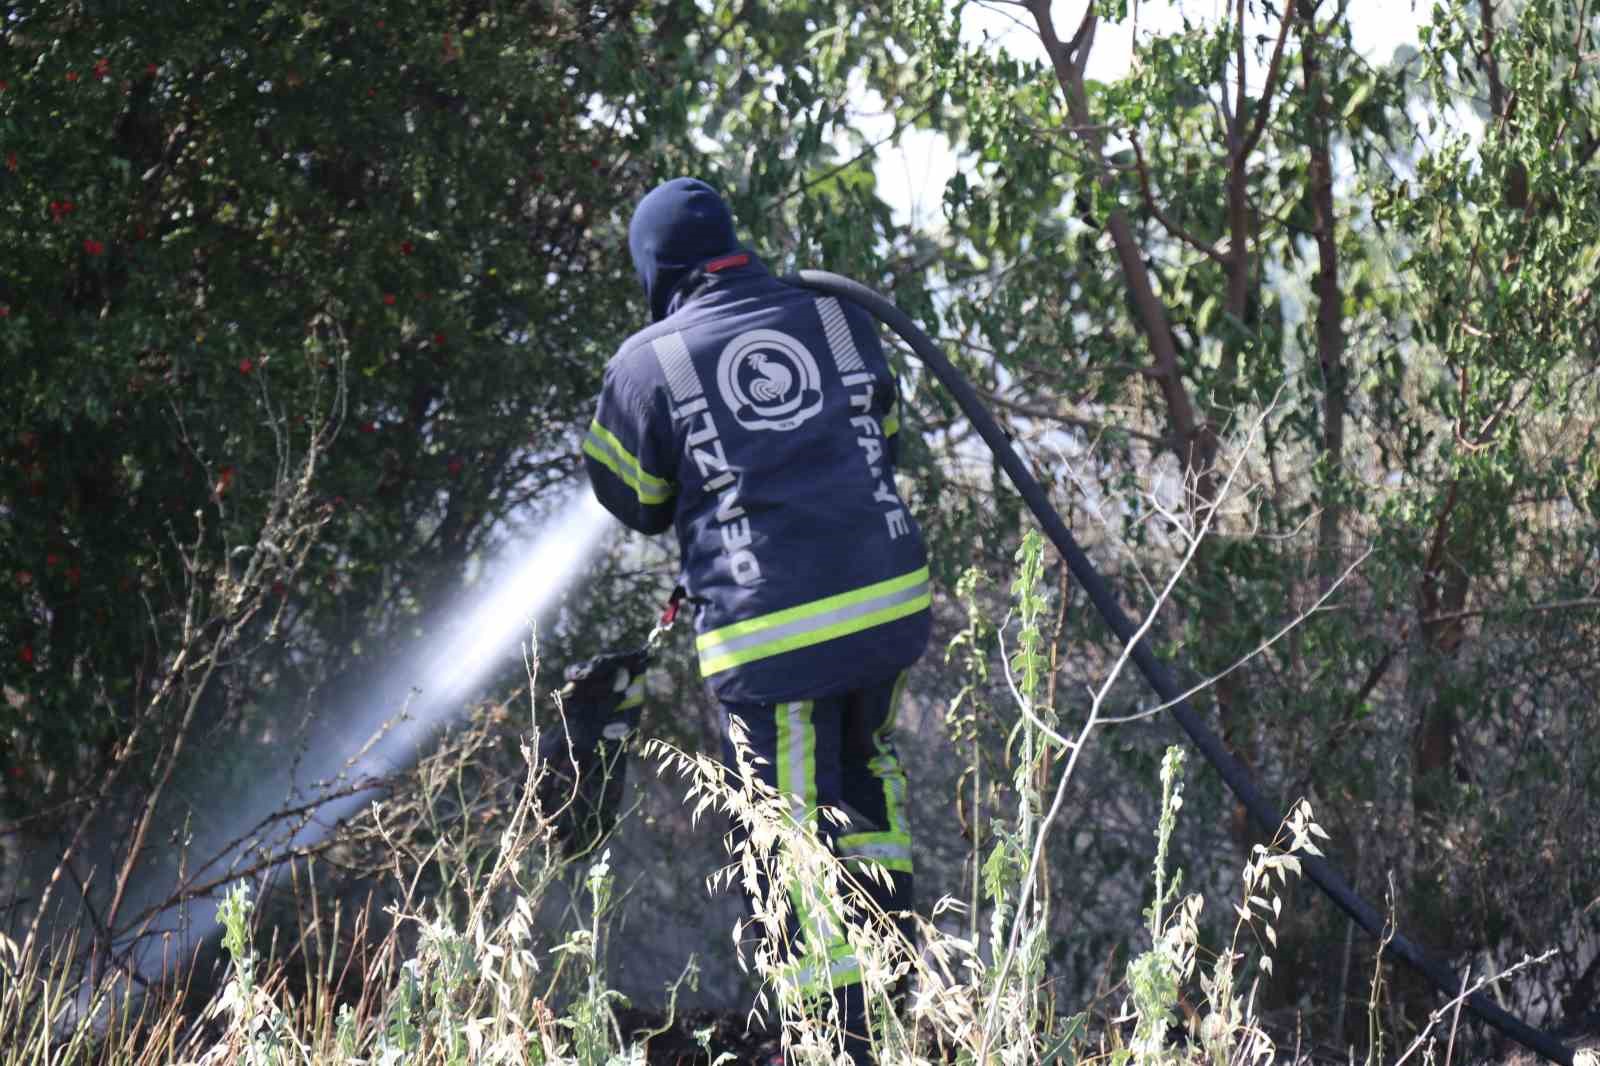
x=838 y=753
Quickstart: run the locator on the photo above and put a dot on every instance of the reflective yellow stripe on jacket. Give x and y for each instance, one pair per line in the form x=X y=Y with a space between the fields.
x=812 y=623
x=605 y=449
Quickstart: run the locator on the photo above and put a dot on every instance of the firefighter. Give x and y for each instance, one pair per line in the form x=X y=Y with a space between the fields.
x=758 y=420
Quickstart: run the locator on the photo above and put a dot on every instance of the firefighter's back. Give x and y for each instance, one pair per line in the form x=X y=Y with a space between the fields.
x=811 y=572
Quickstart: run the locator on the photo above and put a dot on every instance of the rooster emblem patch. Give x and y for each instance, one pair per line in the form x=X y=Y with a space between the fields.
x=769 y=380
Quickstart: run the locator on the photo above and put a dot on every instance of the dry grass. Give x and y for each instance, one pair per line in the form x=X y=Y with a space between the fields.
x=449 y=964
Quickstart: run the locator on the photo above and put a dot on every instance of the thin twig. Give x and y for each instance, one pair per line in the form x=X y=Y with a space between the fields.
x=1283 y=631
x=1467 y=993
x=900 y=127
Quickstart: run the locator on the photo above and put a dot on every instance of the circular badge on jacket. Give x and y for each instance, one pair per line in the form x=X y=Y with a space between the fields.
x=769 y=380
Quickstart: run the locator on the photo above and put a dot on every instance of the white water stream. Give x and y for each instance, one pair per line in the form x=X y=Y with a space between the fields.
x=432 y=686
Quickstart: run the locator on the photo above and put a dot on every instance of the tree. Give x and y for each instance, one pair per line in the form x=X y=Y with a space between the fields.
x=311 y=311
x=1253 y=217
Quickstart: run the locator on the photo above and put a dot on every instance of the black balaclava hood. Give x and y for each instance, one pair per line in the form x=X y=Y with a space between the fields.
x=676 y=227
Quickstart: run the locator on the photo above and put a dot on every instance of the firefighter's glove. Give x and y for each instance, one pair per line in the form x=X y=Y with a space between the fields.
x=583 y=752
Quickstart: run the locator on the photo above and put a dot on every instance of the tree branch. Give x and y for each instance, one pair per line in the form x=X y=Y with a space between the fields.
x=1235 y=142
x=1330 y=296
x=1074 y=421
x=1491 y=65
x=1170 y=225
x=1195 y=443
x=900 y=127
x=1258 y=127
x=1493 y=612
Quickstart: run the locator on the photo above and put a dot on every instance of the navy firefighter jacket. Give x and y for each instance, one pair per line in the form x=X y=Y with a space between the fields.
x=760 y=420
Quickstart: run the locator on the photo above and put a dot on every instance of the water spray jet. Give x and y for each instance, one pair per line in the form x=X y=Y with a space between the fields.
x=353 y=743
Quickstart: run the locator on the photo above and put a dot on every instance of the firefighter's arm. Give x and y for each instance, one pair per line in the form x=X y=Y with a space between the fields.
x=628 y=460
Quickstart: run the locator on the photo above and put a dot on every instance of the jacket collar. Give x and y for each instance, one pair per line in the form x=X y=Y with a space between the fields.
x=714 y=273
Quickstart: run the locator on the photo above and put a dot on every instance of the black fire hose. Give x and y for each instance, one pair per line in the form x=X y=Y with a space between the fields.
x=1155 y=671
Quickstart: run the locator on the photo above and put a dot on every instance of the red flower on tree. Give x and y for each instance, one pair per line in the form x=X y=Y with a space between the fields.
x=406 y=247
x=93 y=247
x=388 y=299
x=26 y=654
x=102 y=67
x=246 y=365
x=438 y=340
x=5 y=310
x=72 y=75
